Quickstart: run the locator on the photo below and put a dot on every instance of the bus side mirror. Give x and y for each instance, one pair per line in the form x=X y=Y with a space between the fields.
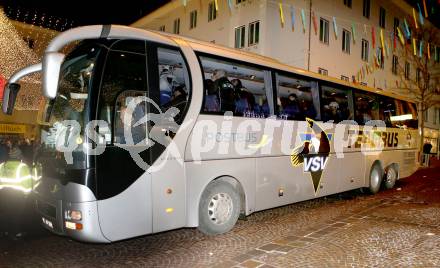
x=51 y=72
x=9 y=96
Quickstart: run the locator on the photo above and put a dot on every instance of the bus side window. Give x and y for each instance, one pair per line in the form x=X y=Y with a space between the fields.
x=337 y=104
x=124 y=72
x=367 y=107
x=234 y=87
x=298 y=98
x=173 y=82
x=123 y=106
x=387 y=110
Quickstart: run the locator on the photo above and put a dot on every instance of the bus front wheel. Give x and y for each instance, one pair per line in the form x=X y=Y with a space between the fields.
x=219 y=208
x=376 y=175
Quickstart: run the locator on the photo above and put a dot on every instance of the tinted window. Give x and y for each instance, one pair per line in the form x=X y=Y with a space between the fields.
x=124 y=72
x=173 y=81
x=337 y=104
x=297 y=98
x=238 y=88
x=367 y=107
x=387 y=109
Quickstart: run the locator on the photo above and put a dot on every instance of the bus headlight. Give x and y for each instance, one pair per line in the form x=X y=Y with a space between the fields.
x=74 y=215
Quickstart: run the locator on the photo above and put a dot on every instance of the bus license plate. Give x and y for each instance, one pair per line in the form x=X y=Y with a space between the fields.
x=47 y=223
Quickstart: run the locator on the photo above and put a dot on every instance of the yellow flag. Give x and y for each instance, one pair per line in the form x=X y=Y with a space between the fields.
x=281 y=13
x=415 y=19
x=399 y=33
x=414 y=46
x=216 y=5
x=382 y=42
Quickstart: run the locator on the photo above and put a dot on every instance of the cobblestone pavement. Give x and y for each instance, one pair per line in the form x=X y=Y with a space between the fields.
x=395 y=228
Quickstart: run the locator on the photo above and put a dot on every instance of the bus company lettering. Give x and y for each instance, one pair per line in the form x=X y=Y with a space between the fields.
x=250 y=137
x=389 y=139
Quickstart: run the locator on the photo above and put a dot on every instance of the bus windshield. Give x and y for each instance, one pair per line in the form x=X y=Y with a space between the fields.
x=73 y=94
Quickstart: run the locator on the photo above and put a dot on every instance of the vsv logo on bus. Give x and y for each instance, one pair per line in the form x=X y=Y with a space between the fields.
x=313 y=152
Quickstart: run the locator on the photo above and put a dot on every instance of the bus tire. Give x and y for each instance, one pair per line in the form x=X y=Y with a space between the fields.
x=219 y=208
x=391 y=176
x=376 y=175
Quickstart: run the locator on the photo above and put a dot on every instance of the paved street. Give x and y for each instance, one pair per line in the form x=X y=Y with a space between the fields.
x=399 y=227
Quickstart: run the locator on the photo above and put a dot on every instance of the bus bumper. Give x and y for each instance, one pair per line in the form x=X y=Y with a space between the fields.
x=53 y=217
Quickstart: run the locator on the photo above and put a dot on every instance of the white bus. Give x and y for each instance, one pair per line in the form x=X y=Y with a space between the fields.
x=247 y=135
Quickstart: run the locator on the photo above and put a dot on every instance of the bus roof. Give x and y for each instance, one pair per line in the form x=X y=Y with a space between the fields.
x=227 y=52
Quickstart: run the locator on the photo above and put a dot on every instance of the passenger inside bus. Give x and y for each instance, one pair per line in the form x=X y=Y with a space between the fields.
x=212 y=103
x=226 y=90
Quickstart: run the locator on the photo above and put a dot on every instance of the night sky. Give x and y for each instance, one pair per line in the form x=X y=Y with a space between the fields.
x=78 y=12
x=62 y=14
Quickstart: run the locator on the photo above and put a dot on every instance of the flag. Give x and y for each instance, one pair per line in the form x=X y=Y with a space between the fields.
x=216 y=5
x=335 y=27
x=303 y=19
x=230 y=5
x=415 y=19
x=421 y=49
x=420 y=14
x=353 y=30
x=292 y=14
x=382 y=42
x=408 y=33
x=400 y=36
x=280 y=4
x=415 y=47
x=425 y=9
x=315 y=25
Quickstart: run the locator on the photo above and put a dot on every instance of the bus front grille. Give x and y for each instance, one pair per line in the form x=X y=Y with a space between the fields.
x=46 y=209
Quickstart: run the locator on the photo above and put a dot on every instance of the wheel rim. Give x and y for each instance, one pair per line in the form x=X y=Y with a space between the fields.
x=220 y=208
x=391 y=177
x=375 y=179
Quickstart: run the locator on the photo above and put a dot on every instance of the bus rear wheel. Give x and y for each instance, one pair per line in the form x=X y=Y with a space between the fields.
x=390 y=178
x=219 y=208
x=376 y=175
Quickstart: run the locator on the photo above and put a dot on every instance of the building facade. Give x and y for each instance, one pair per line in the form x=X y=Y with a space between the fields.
x=347 y=39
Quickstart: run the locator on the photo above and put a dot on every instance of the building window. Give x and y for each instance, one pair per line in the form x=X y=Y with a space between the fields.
x=212 y=13
x=382 y=16
x=162 y=28
x=418 y=76
x=364 y=84
x=347 y=3
x=346 y=39
x=407 y=70
x=345 y=78
x=240 y=33
x=366 y=9
x=395 y=64
x=322 y=71
x=365 y=50
x=193 y=19
x=176 y=28
x=396 y=25
x=323 y=31
x=240 y=1
x=254 y=33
